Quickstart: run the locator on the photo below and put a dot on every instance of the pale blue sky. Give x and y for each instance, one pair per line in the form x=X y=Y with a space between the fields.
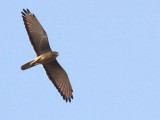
x=110 y=50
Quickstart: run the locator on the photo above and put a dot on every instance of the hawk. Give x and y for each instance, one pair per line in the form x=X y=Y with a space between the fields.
x=45 y=55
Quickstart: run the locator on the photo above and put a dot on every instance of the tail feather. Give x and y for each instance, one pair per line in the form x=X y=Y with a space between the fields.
x=28 y=65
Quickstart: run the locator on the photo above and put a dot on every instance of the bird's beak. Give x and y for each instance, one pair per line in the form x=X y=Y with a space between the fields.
x=57 y=53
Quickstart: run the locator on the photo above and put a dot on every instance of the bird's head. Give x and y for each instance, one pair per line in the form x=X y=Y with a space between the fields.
x=55 y=54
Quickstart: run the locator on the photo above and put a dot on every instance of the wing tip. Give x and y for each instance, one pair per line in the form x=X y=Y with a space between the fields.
x=26 y=12
x=67 y=98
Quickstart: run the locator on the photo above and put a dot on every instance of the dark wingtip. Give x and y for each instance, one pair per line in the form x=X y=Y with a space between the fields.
x=72 y=96
x=28 y=10
x=63 y=97
x=34 y=15
x=66 y=100
x=25 y=11
x=69 y=99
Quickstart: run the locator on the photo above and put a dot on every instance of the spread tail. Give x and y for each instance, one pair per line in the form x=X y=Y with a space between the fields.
x=28 y=65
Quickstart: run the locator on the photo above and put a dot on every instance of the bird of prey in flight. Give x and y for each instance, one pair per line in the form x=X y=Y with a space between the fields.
x=45 y=55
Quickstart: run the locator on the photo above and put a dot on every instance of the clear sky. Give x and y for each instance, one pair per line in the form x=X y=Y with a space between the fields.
x=109 y=48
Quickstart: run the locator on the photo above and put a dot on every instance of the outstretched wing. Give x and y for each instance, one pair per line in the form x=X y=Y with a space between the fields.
x=36 y=33
x=60 y=79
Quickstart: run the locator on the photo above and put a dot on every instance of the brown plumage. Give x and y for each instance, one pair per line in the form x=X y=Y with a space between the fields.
x=45 y=56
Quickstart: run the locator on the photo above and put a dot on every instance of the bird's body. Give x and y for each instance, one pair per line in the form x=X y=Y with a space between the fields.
x=46 y=56
x=42 y=59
